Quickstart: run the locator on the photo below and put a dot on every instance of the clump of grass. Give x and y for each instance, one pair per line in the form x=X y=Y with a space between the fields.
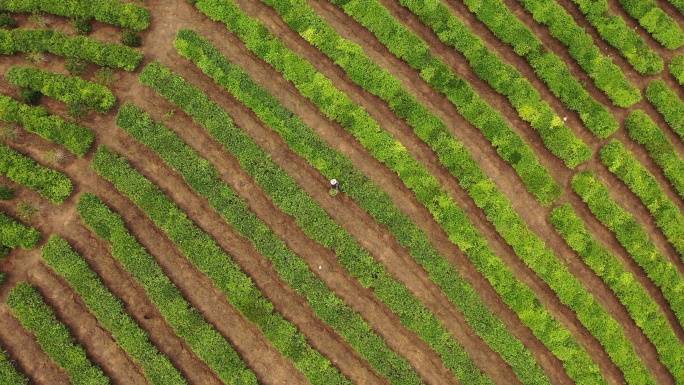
x=25 y=210
x=106 y=76
x=34 y=57
x=10 y=132
x=56 y=156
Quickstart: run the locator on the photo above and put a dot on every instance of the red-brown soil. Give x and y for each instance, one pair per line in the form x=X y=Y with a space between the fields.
x=257 y=352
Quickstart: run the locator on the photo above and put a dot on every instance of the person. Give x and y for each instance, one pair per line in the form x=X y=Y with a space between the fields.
x=334 y=184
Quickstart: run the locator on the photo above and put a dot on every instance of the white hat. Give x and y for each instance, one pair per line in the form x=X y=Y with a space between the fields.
x=333 y=181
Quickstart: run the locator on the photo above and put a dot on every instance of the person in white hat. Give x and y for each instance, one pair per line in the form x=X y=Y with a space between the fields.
x=334 y=184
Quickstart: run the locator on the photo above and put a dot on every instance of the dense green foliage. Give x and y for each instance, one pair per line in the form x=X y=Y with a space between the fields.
x=292 y=199
x=642 y=183
x=676 y=67
x=107 y=11
x=361 y=69
x=188 y=323
x=655 y=21
x=607 y=76
x=633 y=238
x=14 y=234
x=453 y=219
x=76 y=47
x=204 y=179
x=616 y=32
x=53 y=336
x=8 y=373
x=51 y=184
x=549 y=68
x=71 y=90
x=110 y=312
x=503 y=77
x=642 y=129
x=668 y=104
x=204 y=253
x=75 y=138
x=643 y=310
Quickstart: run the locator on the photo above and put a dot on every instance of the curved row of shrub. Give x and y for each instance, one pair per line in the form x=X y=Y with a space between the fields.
x=607 y=76
x=69 y=89
x=614 y=30
x=110 y=312
x=363 y=71
x=643 y=310
x=668 y=104
x=74 y=137
x=14 y=234
x=208 y=257
x=550 y=68
x=51 y=184
x=8 y=373
x=633 y=238
x=53 y=336
x=78 y=47
x=316 y=223
x=676 y=68
x=655 y=21
x=188 y=323
x=458 y=227
x=112 y=12
x=503 y=77
x=642 y=183
x=642 y=129
x=327 y=305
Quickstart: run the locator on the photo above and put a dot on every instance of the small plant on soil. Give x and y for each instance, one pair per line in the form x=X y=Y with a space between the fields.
x=333 y=192
x=6 y=193
x=81 y=26
x=56 y=155
x=10 y=132
x=30 y=96
x=7 y=21
x=34 y=57
x=106 y=76
x=26 y=210
x=39 y=20
x=78 y=111
x=169 y=115
x=75 y=66
x=130 y=38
